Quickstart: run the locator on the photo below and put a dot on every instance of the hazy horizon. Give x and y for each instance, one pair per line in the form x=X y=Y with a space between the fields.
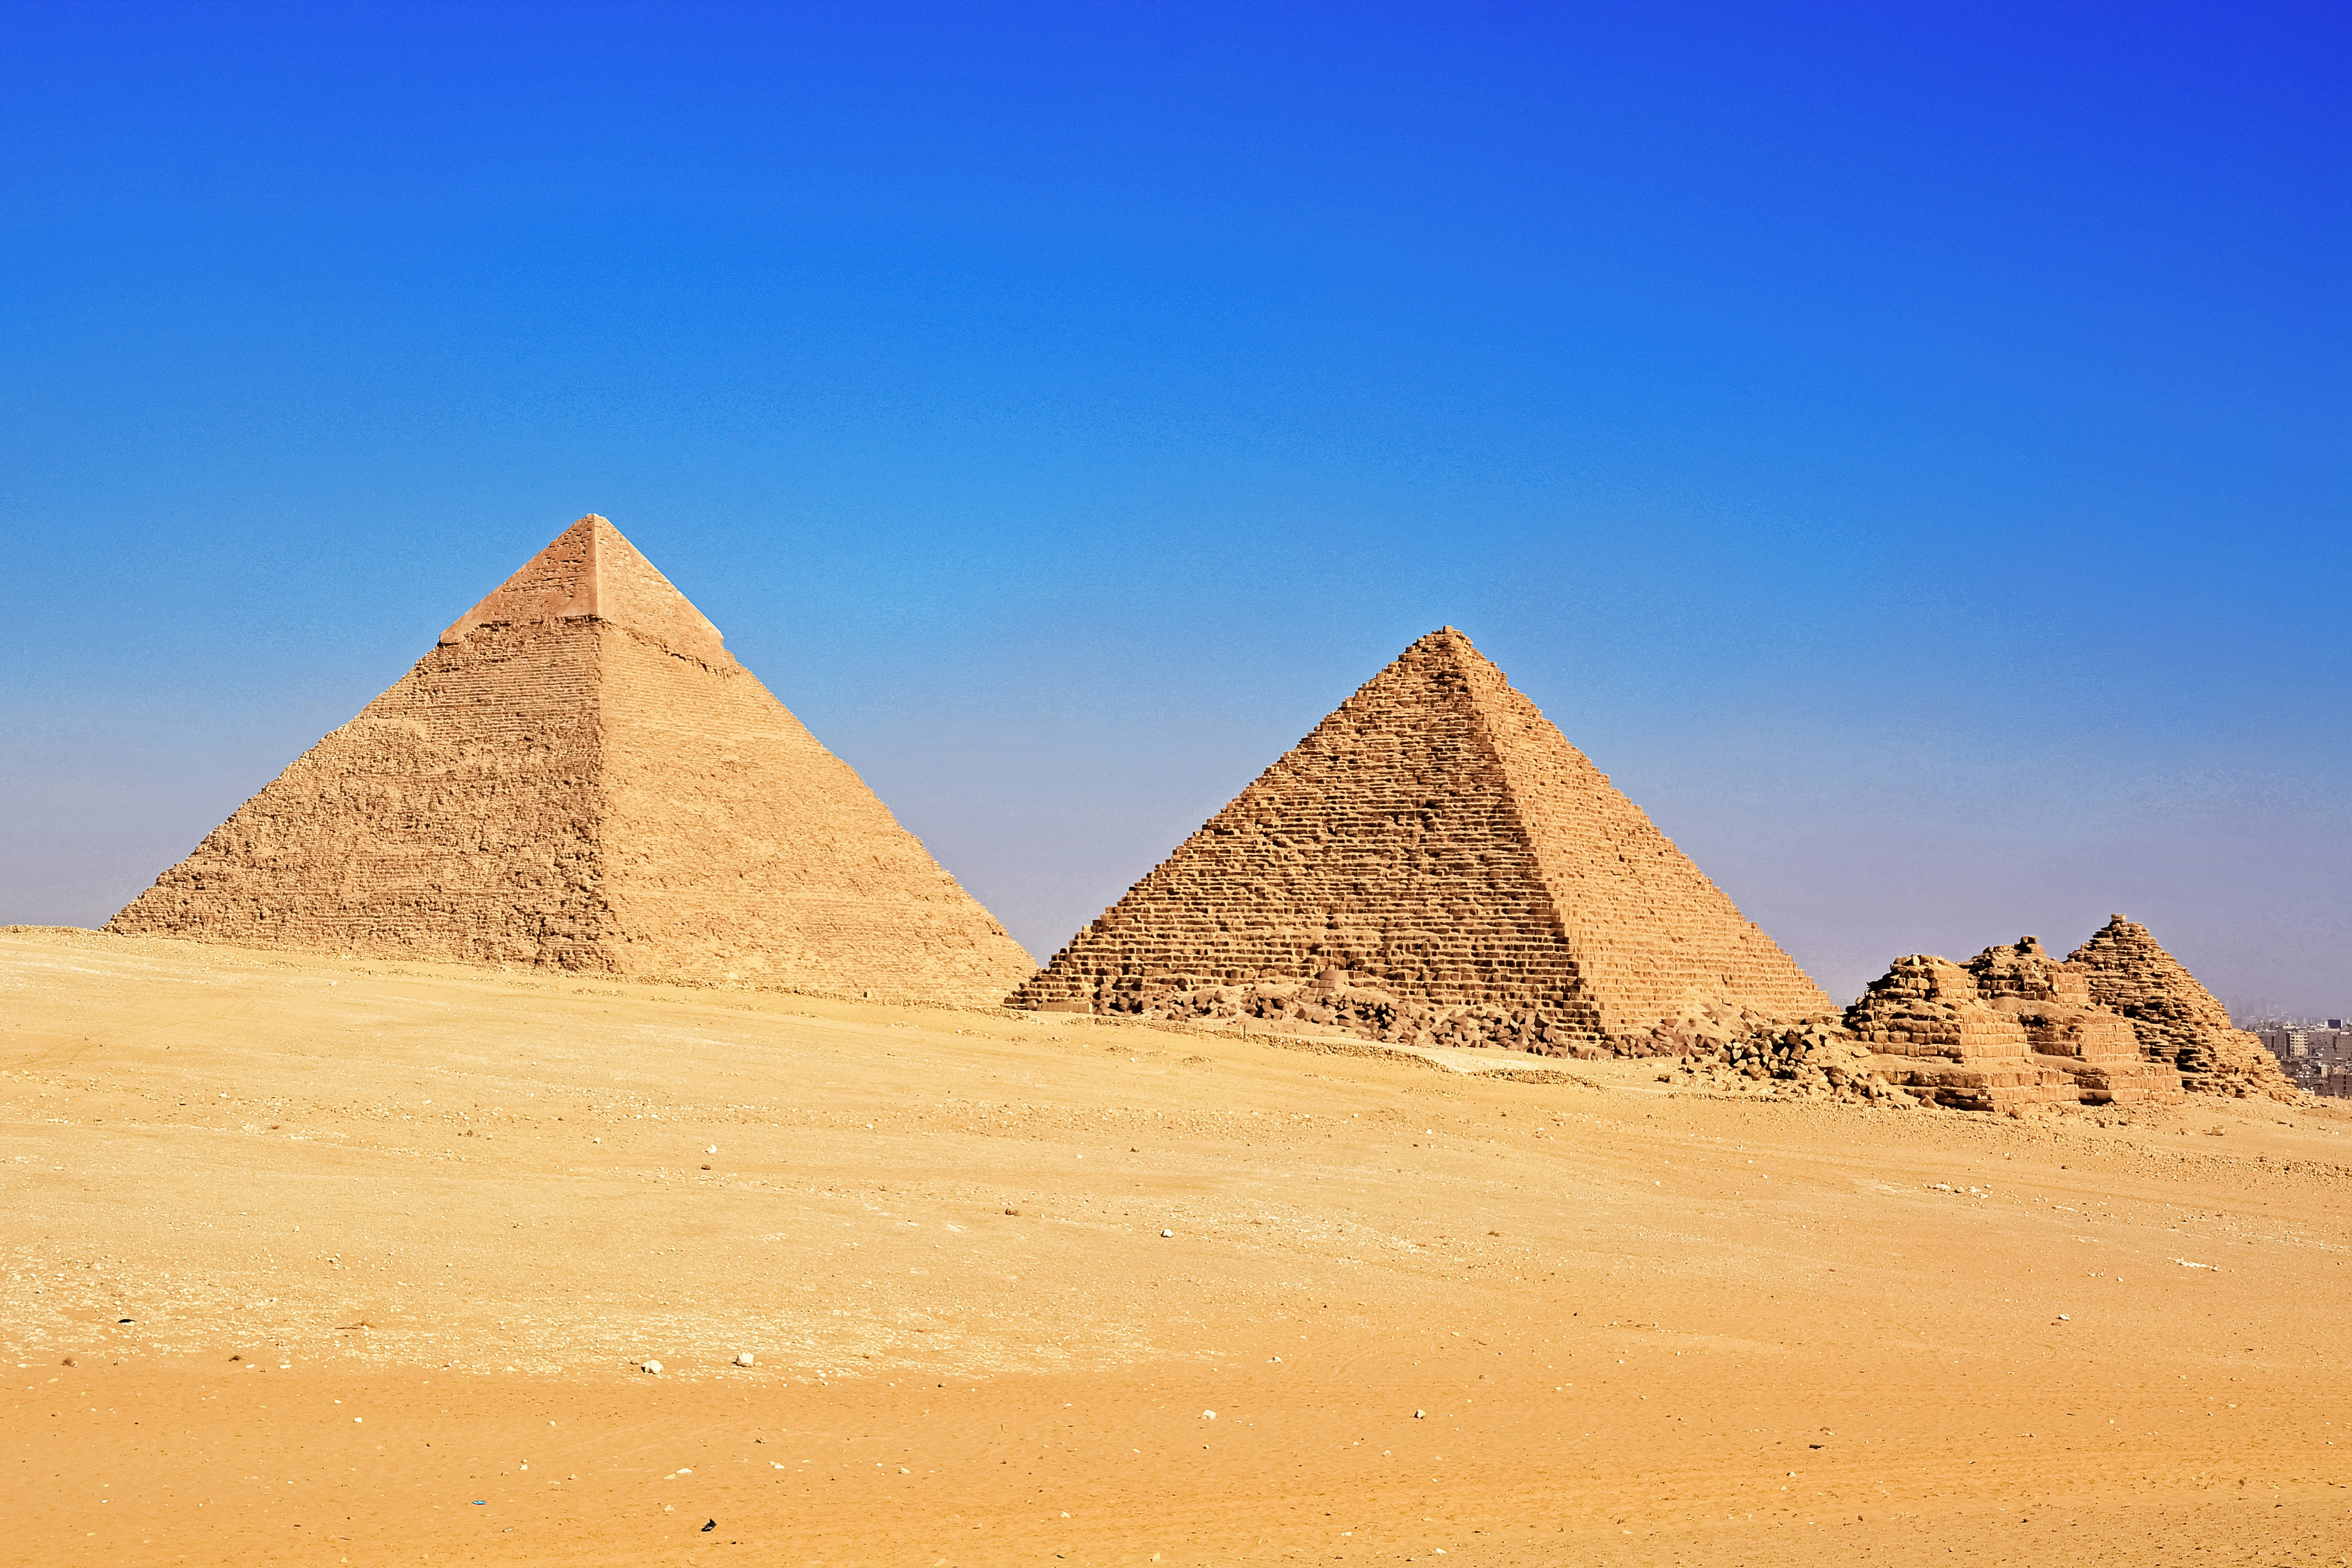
x=1906 y=453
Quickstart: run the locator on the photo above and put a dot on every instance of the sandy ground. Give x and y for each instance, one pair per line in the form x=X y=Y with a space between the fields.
x=318 y=1260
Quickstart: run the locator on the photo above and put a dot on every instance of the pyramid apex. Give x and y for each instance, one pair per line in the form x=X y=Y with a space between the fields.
x=1443 y=637
x=592 y=570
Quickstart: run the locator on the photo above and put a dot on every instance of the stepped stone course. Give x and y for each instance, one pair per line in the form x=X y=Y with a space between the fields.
x=1935 y=1034
x=579 y=775
x=2013 y=1026
x=1434 y=862
x=2178 y=1022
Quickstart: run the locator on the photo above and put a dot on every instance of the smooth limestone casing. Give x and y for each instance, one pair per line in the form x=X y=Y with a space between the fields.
x=1438 y=840
x=580 y=775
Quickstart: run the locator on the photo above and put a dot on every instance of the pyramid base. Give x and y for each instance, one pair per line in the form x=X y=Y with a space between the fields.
x=1973 y=1082
x=2240 y=1068
x=1372 y=1012
x=1364 y=1012
x=2006 y=1084
x=2126 y=1080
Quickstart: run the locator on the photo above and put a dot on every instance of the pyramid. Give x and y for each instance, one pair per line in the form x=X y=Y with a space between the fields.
x=579 y=775
x=1435 y=860
x=2013 y=1026
x=2179 y=1023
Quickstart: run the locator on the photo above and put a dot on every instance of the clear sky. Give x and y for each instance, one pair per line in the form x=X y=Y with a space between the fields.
x=1906 y=446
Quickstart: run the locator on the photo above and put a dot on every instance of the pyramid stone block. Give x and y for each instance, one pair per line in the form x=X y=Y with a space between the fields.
x=579 y=775
x=1435 y=860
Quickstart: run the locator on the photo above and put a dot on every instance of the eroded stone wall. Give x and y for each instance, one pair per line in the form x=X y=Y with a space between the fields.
x=2013 y=1026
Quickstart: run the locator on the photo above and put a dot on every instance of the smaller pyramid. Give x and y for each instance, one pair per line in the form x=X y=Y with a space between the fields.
x=579 y=775
x=2013 y=1026
x=2179 y=1023
x=1435 y=862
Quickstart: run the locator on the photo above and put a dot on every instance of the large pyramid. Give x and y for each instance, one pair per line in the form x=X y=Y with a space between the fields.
x=580 y=775
x=1434 y=860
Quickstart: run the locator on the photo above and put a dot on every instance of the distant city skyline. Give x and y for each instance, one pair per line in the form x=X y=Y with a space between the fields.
x=2317 y=1058
x=2248 y=1017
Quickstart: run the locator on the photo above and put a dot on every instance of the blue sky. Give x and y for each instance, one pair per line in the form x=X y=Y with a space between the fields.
x=1906 y=446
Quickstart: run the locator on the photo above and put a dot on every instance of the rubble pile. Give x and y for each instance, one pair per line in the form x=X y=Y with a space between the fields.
x=2065 y=1029
x=1813 y=1057
x=1935 y=1034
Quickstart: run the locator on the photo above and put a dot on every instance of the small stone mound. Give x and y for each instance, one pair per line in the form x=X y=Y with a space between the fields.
x=1933 y=1032
x=2066 y=1029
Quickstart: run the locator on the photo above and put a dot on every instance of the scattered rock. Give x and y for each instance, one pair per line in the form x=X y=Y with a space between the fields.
x=1740 y=1052
x=652 y=1366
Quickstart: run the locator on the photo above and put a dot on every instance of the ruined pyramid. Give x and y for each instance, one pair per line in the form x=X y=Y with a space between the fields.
x=2013 y=1026
x=2179 y=1023
x=579 y=775
x=1435 y=862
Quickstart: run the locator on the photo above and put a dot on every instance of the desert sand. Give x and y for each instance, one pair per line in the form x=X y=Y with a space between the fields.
x=325 y=1259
